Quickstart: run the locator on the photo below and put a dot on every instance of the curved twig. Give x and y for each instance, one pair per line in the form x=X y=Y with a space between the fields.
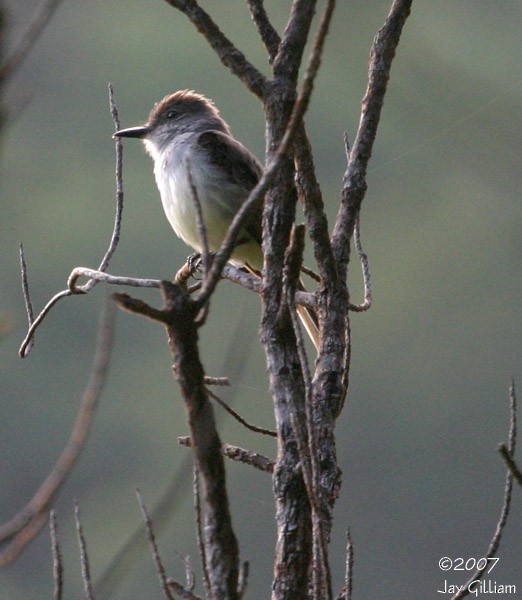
x=494 y=544
x=27 y=343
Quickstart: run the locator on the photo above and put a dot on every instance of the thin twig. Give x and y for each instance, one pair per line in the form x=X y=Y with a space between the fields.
x=96 y=275
x=26 y=343
x=506 y=505
x=22 y=523
x=363 y=258
x=239 y=418
x=227 y=53
x=243 y=579
x=291 y=270
x=354 y=181
x=199 y=530
x=248 y=457
x=154 y=548
x=117 y=569
x=84 y=557
x=182 y=592
x=346 y=592
x=217 y=381
x=200 y=223
x=115 y=237
x=510 y=463
x=72 y=289
x=267 y=32
x=298 y=111
x=190 y=579
x=57 y=557
x=27 y=298
x=312 y=274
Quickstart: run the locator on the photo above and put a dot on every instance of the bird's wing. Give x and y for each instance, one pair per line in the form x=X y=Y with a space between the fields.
x=239 y=166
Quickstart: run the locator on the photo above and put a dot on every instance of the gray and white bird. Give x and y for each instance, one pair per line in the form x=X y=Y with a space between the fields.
x=187 y=139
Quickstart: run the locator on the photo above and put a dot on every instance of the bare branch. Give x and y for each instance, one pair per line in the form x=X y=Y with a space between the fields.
x=182 y=592
x=304 y=432
x=298 y=111
x=115 y=237
x=293 y=41
x=95 y=275
x=363 y=258
x=217 y=381
x=199 y=529
x=23 y=524
x=27 y=342
x=227 y=53
x=200 y=223
x=243 y=580
x=84 y=557
x=346 y=592
x=27 y=298
x=179 y=314
x=506 y=505
x=239 y=418
x=266 y=31
x=57 y=557
x=33 y=325
x=292 y=268
x=249 y=457
x=511 y=464
x=154 y=548
x=354 y=183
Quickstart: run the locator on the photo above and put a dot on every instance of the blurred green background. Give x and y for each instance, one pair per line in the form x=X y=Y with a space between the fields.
x=432 y=360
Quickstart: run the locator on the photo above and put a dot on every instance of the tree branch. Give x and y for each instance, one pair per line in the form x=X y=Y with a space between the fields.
x=227 y=53
x=179 y=314
x=354 y=182
x=506 y=504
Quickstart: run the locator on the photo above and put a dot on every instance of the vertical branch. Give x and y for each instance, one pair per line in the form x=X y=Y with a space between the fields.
x=494 y=544
x=84 y=556
x=228 y=54
x=179 y=316
x=57 y=557
x=354 y=182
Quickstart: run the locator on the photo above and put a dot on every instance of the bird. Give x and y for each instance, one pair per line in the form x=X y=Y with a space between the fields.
x=192 y=148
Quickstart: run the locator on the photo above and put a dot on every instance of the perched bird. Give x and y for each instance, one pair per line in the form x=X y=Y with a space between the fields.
x=192 y=146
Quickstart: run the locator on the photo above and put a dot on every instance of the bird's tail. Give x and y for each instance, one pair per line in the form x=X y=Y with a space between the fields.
x=307 y=315
x=310 y=323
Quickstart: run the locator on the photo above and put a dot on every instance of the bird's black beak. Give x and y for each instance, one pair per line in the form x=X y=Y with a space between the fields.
x=133 y=132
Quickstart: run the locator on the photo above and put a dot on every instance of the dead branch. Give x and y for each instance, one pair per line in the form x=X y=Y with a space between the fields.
x=84 y=557
x=229 y=55
x=154 y=548
x=511 y=464
x=115 y=237
x=57 y=557
x=249 y=457
x=354 y=181
x=179 y=316
x=494 y=544
x=239 y=418
x=346 y=592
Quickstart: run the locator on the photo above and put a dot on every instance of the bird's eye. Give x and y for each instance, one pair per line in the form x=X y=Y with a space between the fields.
x=171 y=114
